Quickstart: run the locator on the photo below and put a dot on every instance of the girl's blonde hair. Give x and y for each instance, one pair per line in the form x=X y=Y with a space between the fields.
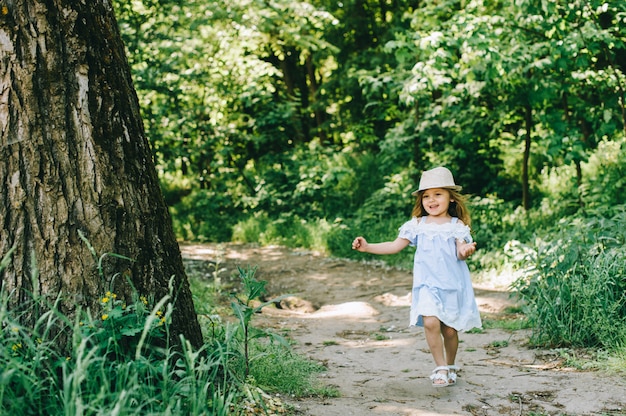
x=457 y=208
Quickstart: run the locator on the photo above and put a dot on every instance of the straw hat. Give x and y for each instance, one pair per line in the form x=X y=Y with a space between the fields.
x=437 y=178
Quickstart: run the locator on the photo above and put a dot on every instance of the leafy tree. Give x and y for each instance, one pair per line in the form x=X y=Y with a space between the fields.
x=492 y=75
x=228 y=84
x=269 y=106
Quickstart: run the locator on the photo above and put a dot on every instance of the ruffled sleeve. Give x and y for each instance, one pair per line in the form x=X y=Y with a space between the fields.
x=409 y=230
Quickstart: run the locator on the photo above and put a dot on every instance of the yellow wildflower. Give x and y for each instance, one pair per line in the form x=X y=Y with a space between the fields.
x=105 y=317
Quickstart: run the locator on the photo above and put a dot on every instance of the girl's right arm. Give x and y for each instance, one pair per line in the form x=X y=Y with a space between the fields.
x=388 y=247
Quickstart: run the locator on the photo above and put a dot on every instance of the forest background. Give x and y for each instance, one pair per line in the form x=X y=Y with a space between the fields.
x=305 y=124
x=308 y=123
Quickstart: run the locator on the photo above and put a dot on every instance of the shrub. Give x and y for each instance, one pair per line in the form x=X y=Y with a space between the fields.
x=205 y=215
x=287 y=230
x=575 y=286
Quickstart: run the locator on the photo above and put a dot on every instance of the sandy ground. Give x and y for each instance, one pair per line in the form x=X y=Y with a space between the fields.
x=353 y=317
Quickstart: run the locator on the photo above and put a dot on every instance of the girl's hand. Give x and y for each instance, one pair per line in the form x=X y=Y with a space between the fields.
x=359 y=244
x=464 y=250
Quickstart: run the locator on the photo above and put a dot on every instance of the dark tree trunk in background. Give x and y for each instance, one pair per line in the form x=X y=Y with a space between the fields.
x=528 y=124
x=74 y=158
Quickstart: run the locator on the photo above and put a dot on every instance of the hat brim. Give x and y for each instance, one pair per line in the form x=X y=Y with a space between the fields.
x=454 y=188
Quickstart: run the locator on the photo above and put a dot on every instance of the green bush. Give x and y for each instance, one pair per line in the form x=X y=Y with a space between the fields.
x=205 y=215
x=339 y=241
x=574 y=284
x=605 y=176
x=316 y=182
x=287 y=230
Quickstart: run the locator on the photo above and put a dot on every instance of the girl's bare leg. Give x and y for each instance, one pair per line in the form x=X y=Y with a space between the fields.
x=451 y=345
x=450 y=342
x=432 y=330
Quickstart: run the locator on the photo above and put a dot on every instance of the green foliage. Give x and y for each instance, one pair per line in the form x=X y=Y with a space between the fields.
x=489 y=77
x=377 y=219
x=308 y=123
x=306 y=108
x=119 y=362
x=303 y=191
x=245 y=306
x=278 y=369
x=575 y=285
x=205 y=215
x=496 y=222
x=122 y=330
x=97 y=376
x=269 y=361
x=507 y=323
x=605 y=185
x=316 y=182
x=288 y=230
x=340 y=239
x=585 y=359
x=379 y=215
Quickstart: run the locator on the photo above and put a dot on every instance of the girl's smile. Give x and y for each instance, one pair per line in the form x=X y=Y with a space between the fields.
x=436 y=202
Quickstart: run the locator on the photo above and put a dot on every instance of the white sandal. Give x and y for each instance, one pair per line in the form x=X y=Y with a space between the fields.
x=437 y=376
x=452 y=369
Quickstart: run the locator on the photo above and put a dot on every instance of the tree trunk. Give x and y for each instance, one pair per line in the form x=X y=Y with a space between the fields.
x=314 y=86
x=75 y=159
x=528 y=122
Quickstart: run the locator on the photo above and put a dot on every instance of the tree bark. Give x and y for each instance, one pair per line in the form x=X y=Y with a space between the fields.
x=75 y=159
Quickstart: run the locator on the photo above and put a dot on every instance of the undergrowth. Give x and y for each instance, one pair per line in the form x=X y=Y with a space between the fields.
x=563 y=256
x=574 y=286
x=118 y=361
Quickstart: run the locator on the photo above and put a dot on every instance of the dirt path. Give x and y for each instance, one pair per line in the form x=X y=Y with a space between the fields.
x=353 y=317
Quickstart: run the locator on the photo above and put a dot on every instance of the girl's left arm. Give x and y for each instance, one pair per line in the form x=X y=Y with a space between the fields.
x=464 y=250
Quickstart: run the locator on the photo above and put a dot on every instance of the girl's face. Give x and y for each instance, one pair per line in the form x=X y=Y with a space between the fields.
x=436 y=202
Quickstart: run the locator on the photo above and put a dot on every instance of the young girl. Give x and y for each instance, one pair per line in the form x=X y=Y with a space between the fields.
x=443 y=299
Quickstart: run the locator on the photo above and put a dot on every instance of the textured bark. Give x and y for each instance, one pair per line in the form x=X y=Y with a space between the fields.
x=74 y=158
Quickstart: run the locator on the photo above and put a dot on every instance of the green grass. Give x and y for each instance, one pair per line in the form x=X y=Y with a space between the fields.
x=279 y=369
x=510 y=319
x=499 y=344
x=273 y=365
x=45 y=371
x=585 y=359
x=119 y=362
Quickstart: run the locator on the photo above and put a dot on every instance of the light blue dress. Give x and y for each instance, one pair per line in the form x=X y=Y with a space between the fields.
x=442 y=286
